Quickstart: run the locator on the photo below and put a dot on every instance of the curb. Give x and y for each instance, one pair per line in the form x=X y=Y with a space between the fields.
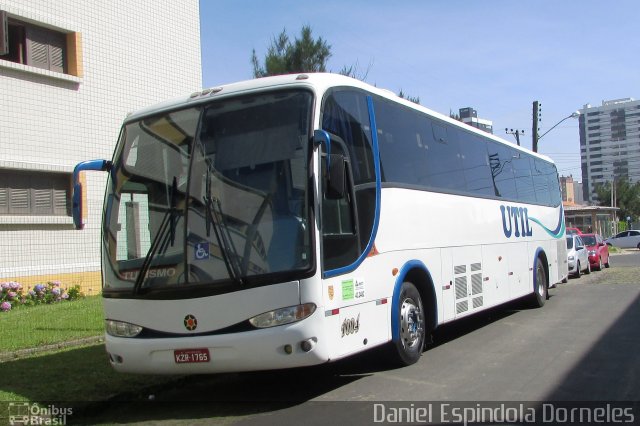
x=24 y=353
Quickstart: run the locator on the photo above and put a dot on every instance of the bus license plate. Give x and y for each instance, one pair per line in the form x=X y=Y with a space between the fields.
x=183 y=356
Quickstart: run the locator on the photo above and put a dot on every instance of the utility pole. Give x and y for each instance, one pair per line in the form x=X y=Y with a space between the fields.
x=537 y=114
x=515 y=133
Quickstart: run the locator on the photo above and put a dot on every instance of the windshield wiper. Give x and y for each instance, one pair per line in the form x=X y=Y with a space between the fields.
x=168 y=222
x=221 y=231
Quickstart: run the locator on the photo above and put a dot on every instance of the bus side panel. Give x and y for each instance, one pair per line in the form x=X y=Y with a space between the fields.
x=519 y=276
x=448 y=306
x=496 y=286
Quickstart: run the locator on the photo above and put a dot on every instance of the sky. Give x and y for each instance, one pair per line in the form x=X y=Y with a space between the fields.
x=496 y=56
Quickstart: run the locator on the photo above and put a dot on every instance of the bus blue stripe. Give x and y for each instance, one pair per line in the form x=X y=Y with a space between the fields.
x=560 y=228
x=376 y=219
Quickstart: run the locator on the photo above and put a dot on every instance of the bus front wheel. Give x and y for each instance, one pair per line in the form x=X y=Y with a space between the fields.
x=410 y=325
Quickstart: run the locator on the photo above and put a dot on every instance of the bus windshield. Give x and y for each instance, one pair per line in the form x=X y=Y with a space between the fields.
x=213 y=195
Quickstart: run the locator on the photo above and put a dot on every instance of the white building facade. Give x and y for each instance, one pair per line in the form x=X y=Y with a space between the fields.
x=469 y=116
x=70 y=71
x=609 y=144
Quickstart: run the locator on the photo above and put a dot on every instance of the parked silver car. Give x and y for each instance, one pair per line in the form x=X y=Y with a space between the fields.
x=577 y=256
x=625 y=239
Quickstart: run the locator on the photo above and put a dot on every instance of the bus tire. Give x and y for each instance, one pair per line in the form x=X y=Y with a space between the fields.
x=411 y=326
x=540 y=286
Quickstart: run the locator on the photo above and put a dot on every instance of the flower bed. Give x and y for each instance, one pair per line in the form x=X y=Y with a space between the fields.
x=12 y=294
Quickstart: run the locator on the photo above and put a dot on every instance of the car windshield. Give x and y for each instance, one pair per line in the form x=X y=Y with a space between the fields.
x=212 y=195
x=589 y=240
x=570 y=242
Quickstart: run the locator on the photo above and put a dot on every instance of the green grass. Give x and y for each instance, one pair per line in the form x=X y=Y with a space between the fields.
x=33 y=326
x=72 y=377
x=78 y=376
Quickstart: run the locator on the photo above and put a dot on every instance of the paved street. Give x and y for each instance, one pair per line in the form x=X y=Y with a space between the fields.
x=581 y=346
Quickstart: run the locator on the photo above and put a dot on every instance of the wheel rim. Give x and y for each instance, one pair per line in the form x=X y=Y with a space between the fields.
x=410 y=323
x=540 y=284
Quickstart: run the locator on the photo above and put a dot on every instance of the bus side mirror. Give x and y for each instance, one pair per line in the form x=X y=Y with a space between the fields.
x=77 y=206
x=98 y=165
x=335 y=177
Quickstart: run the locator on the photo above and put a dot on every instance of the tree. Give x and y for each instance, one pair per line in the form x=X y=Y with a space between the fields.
x=414 y=99
x=304 y=54
x=627 y=198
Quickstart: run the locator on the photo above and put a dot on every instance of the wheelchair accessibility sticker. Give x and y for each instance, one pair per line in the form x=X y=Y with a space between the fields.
x=202 y=251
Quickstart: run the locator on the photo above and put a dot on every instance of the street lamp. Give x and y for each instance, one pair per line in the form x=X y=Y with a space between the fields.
x=575 y=114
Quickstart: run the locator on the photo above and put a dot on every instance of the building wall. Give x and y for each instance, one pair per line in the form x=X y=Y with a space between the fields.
x=566 y=186
x=132 y=54
x=469 y=116
x=609 y=144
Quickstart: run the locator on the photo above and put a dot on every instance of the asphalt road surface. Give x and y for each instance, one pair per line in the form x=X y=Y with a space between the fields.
x=582 y=345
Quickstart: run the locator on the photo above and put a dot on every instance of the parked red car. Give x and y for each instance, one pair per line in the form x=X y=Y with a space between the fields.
x=597 y=249
x=573 y=231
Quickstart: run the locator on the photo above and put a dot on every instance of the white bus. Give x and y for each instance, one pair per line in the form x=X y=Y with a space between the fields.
x=294 y=220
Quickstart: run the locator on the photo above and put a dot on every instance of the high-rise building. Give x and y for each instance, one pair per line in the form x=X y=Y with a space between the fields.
x=609 y=144
x=469 y=116
x=70 y=71
x=577 y=192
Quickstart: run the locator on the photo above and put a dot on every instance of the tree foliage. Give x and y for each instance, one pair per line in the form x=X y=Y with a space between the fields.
x=304 y=54
x=414 y=99
x=627 y=198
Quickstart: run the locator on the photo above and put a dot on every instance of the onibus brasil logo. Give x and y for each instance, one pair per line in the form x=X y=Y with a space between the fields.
x=25 y=413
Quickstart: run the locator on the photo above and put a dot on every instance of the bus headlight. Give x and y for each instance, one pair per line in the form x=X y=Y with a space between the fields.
x=122 y=329
x=283 y=316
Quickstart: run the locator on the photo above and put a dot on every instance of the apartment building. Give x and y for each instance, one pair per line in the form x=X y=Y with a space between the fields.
x=469 y=116
x=70 y=71
x=609 y=144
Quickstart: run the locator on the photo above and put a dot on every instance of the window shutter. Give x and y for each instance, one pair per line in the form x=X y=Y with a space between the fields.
x=34 y=193
x=57 y=46
x=4 y=200
x=45 y=48
x=42 y=196
x=4 y=33
x=60 y=188
x=19 y=200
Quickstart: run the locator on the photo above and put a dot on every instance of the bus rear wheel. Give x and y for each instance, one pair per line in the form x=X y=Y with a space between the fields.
x=408 y=347
x=541 y=288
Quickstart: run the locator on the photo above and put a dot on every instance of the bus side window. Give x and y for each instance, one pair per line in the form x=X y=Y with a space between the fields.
x=339 y=238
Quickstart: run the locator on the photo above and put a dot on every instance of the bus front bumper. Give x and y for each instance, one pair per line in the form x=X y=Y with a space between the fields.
x=288 y=346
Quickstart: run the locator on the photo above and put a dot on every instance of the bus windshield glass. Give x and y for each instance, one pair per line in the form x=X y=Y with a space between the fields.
x=211 y=196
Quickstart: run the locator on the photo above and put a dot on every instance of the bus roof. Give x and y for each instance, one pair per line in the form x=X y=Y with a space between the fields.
x=320 y=82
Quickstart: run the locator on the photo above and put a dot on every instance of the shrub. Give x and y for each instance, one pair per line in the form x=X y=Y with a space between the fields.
x=12 y=295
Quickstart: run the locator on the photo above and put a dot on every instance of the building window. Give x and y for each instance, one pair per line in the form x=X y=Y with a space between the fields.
x=40 y=47
x=29 y=193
